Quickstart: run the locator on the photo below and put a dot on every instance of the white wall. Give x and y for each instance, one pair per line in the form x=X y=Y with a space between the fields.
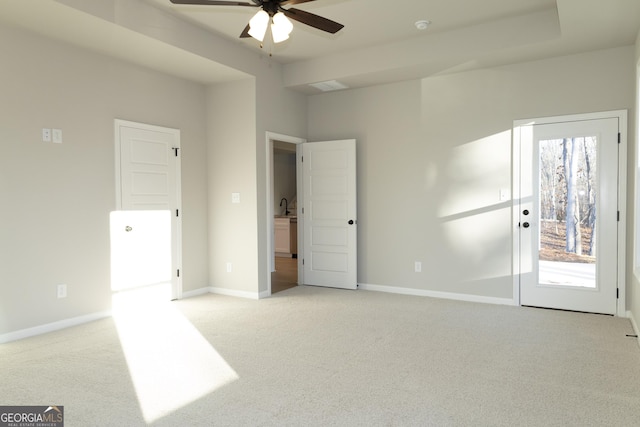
x=633 y=277
x=433 y=155
x=233 y=233
x=54 y=225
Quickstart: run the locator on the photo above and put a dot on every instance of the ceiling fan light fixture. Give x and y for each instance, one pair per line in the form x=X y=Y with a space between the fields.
x=258 y=25
x=281 y=27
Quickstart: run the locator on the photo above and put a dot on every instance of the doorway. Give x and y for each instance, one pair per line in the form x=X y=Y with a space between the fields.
x=146 y=227
x=326 y=202
x=283 y=201
x=569 y=184
x=285 y=193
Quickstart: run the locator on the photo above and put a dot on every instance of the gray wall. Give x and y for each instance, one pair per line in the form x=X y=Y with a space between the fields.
x=57 y=230
x=239 y=115
x=54 y=224
x=433 y=155
x=233 y=228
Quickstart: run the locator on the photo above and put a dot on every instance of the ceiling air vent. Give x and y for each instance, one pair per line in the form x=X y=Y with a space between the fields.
x=329 y=85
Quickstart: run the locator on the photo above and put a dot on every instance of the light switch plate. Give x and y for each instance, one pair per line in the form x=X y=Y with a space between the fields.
x=235 y=197
x=57 y=135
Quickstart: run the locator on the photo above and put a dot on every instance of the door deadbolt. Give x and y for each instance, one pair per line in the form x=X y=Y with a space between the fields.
x=525 y=212
x=128 y=229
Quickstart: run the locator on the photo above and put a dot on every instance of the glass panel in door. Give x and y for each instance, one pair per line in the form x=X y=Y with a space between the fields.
x=568 y=170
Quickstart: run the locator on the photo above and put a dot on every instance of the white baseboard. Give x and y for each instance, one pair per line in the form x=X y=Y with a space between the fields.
x=264 y=294
x=195 y=293
x=50 y=327
x=634 y=324
x=436 y=294
x=233 y=293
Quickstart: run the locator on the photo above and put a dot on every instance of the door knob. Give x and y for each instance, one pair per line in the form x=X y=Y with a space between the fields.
x=350 y=222
x=128 y=229
x=525 y=224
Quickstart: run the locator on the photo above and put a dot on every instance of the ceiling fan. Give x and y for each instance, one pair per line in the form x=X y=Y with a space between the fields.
x=272 y=11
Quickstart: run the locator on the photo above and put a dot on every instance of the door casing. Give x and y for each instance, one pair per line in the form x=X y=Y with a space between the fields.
x=271 y=262
x=621 y=115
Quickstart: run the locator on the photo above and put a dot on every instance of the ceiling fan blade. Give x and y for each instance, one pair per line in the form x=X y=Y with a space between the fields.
x=213 y=3
x=245 y=32
x=287 y=2
x=313 y=20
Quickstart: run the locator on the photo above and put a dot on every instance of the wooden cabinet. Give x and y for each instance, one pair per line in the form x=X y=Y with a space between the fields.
x=282 y=236
x=286 y=236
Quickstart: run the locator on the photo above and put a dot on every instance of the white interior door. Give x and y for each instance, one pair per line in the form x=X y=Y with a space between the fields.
x=148 y=180
x=140 y=249
x=330 y=215
x=568 y=219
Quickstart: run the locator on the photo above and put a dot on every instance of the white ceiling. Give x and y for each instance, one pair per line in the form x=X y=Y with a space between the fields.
x=379 y=43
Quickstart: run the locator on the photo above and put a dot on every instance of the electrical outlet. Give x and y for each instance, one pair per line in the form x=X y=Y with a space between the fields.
x=46 y=135
x=229 y=267
x=418 y=267
x=62 y=291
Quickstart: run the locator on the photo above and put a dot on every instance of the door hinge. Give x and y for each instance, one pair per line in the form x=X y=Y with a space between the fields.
x=175 y=149
x=617 y=293
x=177 y=212
x=178 y=272
x=618 y=137
x=302 y=261
x=302 y=211
x=618 y=216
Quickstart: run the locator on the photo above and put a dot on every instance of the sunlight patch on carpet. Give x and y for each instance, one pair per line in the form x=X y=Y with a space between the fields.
x=170 y=363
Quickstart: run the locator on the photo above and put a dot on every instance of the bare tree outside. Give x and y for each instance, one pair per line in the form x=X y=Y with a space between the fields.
x=568 y=199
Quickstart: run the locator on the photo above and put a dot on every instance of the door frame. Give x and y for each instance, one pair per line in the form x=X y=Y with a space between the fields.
x=270 y=209
x=621 y=115
x=176 y=232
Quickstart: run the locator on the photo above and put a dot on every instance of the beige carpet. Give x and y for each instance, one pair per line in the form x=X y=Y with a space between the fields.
x=323 y=357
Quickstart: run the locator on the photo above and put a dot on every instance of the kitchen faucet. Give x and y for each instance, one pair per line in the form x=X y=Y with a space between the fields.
x=286 y=208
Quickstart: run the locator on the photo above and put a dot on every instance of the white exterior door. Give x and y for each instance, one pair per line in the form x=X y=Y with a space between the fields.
x=330 y=215
x=148 y=180
x=568 y=215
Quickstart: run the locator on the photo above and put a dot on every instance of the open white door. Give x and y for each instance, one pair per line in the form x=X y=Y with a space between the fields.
x=330 y=215
x=569 y=210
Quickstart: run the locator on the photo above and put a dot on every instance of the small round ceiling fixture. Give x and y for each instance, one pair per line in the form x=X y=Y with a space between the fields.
x=422 y=24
